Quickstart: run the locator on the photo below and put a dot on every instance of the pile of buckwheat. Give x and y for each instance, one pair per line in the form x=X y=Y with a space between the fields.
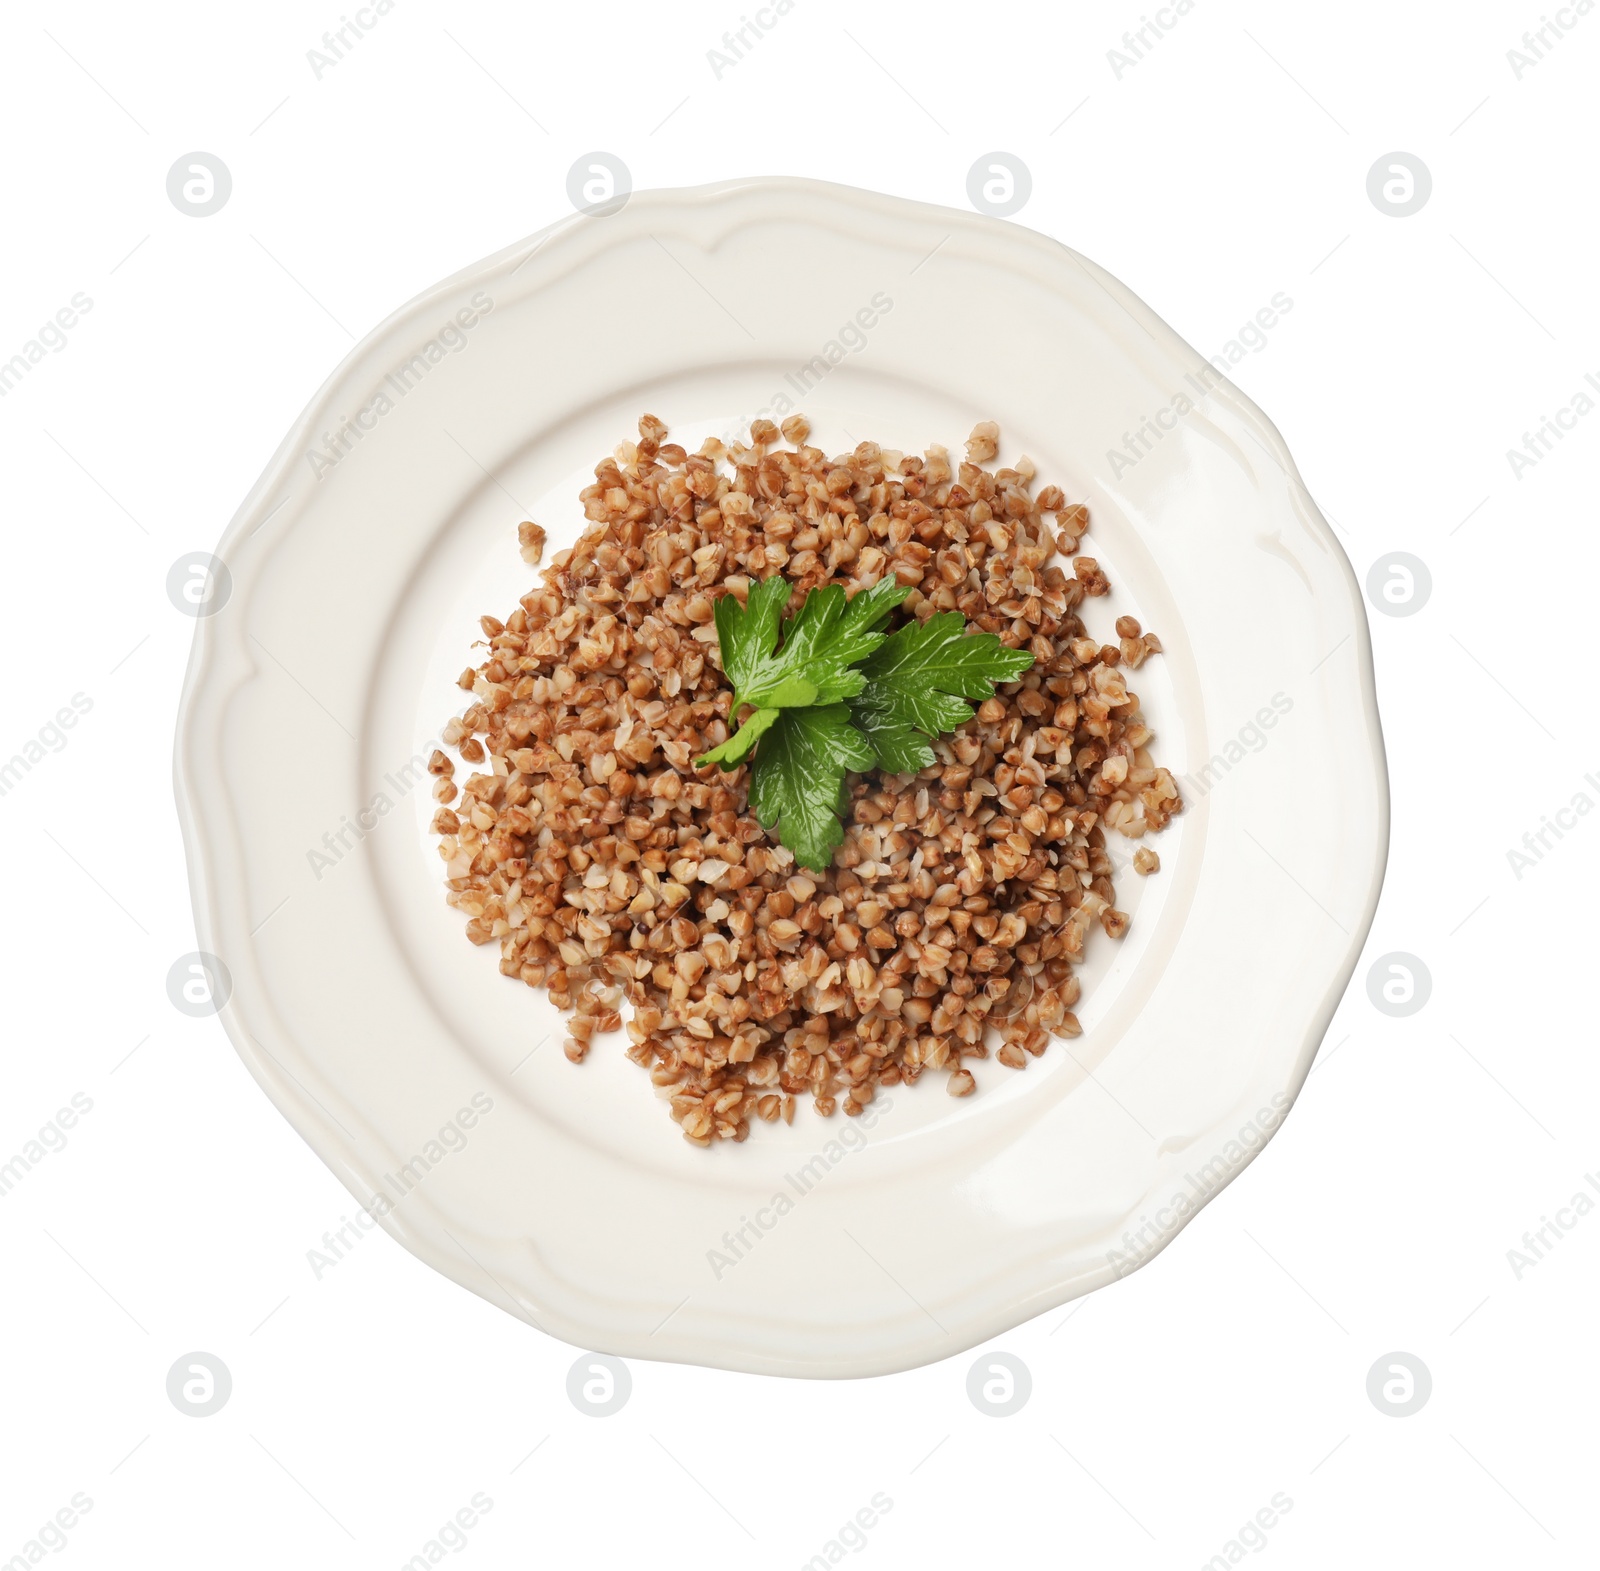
x=607 y=867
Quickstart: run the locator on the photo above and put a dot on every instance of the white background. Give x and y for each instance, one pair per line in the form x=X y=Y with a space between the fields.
x=1227 y=165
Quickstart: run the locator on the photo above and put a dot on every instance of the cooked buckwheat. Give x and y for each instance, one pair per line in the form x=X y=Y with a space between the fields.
x=609 y=869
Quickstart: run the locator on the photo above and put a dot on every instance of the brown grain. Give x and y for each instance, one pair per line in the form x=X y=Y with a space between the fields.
x=609 y=869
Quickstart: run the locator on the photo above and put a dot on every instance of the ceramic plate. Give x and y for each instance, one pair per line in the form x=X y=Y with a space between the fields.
x=437 y=1090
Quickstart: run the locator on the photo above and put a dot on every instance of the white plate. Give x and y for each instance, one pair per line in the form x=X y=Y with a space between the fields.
x=357 y=581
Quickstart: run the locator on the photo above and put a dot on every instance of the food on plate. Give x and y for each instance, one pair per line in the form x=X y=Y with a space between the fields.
x=809 y=762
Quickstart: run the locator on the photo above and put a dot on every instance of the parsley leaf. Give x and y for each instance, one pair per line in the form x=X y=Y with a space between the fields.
x=831 y=692
x=828 y=636
x=821 y=644
x=747 y=634
x=797 y=780
x=917 y=682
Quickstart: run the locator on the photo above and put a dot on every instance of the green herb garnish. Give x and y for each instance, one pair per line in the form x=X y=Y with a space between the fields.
x=833 y=692
x=918 y=682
